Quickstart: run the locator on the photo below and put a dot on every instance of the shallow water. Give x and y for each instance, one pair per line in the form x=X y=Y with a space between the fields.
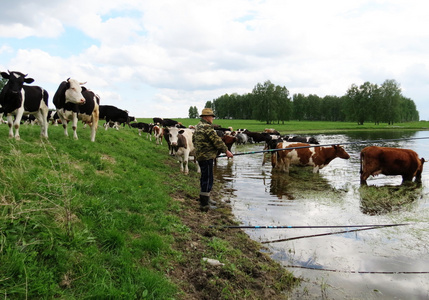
x=381 y=263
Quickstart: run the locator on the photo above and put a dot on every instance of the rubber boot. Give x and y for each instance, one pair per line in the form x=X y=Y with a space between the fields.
x=204 y=203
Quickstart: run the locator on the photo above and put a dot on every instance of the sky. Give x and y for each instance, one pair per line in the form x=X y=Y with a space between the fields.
x=157 y=58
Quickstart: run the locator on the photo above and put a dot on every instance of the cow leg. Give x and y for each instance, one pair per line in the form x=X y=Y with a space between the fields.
x=94 y=125
x=363 y=177
x=186 y=162
x=74 y=126
x=10 y=124
x=42 y=116
x=285 y=166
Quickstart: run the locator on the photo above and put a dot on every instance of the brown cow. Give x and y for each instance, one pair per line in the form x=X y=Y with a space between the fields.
x=376 y=160
x=317 y=157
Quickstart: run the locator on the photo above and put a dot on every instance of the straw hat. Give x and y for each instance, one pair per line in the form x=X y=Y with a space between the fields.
x=207 y=112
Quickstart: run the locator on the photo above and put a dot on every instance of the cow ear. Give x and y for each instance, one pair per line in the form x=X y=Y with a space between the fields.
x=28 y=80
x=181 y=131
x=5 y=75
x=83 y=89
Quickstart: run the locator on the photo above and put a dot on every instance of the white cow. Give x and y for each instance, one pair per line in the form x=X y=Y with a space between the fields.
x=182 y=139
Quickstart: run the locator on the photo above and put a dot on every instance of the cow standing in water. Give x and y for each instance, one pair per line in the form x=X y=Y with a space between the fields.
x=17 y=99
x=376 y=160
x=318 y=157
x=74 y=103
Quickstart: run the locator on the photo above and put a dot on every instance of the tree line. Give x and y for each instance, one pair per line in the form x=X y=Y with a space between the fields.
x=272 y=103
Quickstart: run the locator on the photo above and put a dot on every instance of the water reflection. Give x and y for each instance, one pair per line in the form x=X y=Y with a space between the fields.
x=377 y=200
x=296 y=183
x=335 y=197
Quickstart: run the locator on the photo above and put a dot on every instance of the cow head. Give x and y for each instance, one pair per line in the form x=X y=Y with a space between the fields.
x=340 y=152
x=173 y=135
x=74 y=92
x=16 y=81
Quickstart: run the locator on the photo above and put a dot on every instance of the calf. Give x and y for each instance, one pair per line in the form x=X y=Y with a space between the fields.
x=74 y=102
x=17 y=99
x=158 y=133
x=182 y=139
x=317 y=157
x=376 y=160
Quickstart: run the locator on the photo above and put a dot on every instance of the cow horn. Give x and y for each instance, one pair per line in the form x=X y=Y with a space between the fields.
x=82 y=83
x=68 y=79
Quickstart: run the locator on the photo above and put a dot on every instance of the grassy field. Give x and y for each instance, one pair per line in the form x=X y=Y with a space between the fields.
x=116 y=219
x=297 y=127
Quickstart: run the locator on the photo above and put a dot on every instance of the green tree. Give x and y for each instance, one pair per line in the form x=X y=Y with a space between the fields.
x=358 y=102
x=283 y=104
x=265 y=102
x=299 y=106
x=193 y=112
x=391 y=94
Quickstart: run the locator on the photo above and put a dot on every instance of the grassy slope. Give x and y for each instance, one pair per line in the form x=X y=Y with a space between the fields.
x=115 y=219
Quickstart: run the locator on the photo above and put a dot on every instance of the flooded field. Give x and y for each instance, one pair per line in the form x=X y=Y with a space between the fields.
x=377 y=263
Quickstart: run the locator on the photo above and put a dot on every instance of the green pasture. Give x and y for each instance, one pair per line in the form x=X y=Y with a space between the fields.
x=298 y=127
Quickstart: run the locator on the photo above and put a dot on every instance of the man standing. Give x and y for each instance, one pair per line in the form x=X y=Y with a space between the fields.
x=207 y=146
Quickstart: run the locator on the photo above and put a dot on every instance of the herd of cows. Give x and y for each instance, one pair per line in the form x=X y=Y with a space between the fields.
x=74 y=102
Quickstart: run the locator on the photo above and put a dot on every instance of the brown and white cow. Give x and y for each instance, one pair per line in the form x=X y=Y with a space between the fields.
x=317 y=157
x=181 y=138
x=158 y=132
x=376 y=160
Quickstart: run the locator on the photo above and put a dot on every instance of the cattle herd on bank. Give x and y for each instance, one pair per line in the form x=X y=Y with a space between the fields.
x=73 y=102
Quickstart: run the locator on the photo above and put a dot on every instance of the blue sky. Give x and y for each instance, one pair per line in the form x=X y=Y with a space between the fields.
x=158 y=58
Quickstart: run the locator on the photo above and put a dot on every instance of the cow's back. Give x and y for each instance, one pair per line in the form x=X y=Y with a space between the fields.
x=33 y=97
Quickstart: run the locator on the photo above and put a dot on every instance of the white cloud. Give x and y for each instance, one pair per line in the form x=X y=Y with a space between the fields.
x=157 y=57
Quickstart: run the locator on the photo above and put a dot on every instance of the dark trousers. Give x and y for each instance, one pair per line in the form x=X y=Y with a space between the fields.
x=206 y=180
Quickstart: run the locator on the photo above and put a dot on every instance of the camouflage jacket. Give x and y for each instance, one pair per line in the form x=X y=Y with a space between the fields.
x=206 y=141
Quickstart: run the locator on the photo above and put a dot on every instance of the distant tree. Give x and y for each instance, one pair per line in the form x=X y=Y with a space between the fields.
x=391 y=94
x=193 y=112
x=359 y=99
x=299 y=106
x=265 y=102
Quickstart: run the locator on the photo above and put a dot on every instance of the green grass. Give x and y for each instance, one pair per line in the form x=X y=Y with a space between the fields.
x=77 y=217
x=297 y=127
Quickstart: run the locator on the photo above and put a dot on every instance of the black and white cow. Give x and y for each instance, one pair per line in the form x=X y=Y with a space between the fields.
x=74 y=102
x=111 y=113
x=144 y=127
x=17 y=99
